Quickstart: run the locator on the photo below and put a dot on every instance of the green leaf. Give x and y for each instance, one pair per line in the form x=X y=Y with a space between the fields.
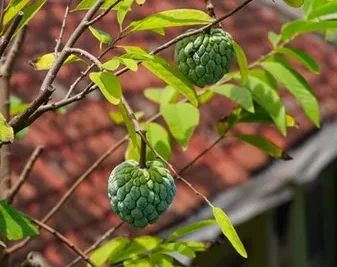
x=159 y=140
x=100 y=35
x=302 y=57
x=29 y=13
x=173 y=77
x=123 y=9
x=190 y=228
x=112 y=64
x=159 y=31
x=242 y=62
x=166 y=72
x=130 y=127
x=138 y=263
x=109 y=85
x=228 y=122
x=296 y=27
x=13 y=9
x=307 y=6
x=274 y=38
x=14 y=224
x=298 y=86
x=138 y=246
x=182 y=118
x=171 y=18
x=269 y=99
x=229 y=231
x=265 y=145
x=16 y=109
x=265 y=77
x=6 y=132
x=294 y=3
x=45 y=61
x=16 y=105
x=130 y=63
x=326 y=9
x=261 y=116
x=205 y=96
x=240 y=95
x=87 y=4
x=162 y=95
x=102 y=254
x=196 y=246
x=117 y=117
x=161 y=259
x=178 y=247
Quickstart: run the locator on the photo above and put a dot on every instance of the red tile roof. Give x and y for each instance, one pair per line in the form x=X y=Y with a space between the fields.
x=75 y=140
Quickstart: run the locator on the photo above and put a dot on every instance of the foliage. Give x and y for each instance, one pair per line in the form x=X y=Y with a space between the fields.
x=254 y=87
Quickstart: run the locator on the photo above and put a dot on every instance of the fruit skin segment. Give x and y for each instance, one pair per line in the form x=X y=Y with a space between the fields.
x=140 y=196
x=205 y=57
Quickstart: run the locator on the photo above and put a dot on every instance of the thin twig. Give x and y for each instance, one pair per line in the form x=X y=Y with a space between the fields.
x=20 y=121
x=25 y=173
x=85 y=54
x=59 y=40
x=91 y=87
x=204 y=152
x=97 y=243
x=106 y=11
x=11 y=56
x=50 y=77
x=85 y=73
x=210 y=8
x=6 y=39
x=2 y=11
x=71 y=190
x=63 y=239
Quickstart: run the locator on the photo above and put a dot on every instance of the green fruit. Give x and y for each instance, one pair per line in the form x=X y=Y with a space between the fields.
x=206 y=57
x=139 y=196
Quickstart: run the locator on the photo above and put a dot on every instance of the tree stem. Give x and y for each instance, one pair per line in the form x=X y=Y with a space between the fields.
x=142 y=158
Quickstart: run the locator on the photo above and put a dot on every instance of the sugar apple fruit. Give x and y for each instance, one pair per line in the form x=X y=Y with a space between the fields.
x=139 y=196
x=206 y=57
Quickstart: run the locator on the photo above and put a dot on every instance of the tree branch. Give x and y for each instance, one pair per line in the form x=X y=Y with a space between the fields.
x=210 y=8
x=105 y=12
x=6 y=39
x=84 y=54
x=91 y=87
x=97 y=243
x=85 y=73
x=20 y=121
x=63 y=239
x=59 y=40
x=25 y=173
x=8 y=65
x=2 y=11
x=5 y=75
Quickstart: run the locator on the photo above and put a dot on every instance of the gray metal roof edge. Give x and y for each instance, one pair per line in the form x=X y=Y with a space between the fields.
x=267 y=189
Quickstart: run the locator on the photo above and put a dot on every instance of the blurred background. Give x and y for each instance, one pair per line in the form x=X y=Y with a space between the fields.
x=285 y=212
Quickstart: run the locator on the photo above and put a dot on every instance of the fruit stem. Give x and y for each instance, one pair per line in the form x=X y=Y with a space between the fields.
x=142 y=158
